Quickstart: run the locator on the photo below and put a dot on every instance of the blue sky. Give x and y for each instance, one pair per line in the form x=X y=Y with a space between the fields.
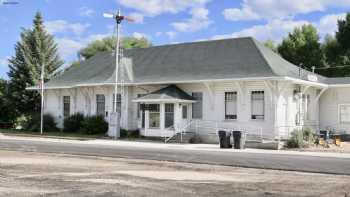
x=76 y=23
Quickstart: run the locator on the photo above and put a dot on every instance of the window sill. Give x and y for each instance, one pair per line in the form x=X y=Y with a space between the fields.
x=258 y=120
x=230 y=120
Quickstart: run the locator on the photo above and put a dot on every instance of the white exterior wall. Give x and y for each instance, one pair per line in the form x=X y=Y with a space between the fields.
x=329 y=109
x=280 y=107
x=83 y=100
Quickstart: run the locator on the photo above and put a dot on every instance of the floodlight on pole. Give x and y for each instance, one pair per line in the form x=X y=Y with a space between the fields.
x=119 y=18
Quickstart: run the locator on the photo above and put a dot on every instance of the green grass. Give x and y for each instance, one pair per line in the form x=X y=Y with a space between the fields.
x=50 y=134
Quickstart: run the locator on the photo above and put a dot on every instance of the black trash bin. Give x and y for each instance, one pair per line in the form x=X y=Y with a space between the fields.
x=224 y=138
x=238 y=140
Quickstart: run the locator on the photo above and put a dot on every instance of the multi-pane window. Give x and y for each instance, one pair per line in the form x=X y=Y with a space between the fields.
x=100 y=104
x=184 y=111
x=66 y=106
x=197 y=107
x=257 y=105
x=119 y=102
x=154 y=115
x=230 y=105
x=169 y=115
x=344 y=113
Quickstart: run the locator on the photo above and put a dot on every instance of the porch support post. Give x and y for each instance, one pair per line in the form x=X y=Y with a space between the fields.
x=162 y=116
x=274 y=95
x=210 y=89
x=58 y=94
x=73 y=93
x=241 y=91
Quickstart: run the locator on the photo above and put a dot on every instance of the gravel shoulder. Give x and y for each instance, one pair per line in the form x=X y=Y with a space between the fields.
x=37 y=174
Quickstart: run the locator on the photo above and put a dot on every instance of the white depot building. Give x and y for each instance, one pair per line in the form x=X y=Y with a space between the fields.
x=202 y=87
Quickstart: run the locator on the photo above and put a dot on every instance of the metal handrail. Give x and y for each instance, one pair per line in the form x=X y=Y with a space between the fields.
x=182 y=131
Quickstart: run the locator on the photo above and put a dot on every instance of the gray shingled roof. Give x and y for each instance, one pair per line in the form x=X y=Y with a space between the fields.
x=171 y=92
x=208 y=60
x=338 y=80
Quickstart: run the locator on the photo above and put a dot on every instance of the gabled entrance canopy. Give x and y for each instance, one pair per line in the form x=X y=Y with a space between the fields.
x=171 y=94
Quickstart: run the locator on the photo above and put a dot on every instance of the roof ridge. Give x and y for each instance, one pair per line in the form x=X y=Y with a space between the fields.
x=193 y=42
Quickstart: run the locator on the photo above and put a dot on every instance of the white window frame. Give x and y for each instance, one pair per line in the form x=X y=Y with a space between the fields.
x=339 y=113
x=225 y=104
x=69 y=107
x=251 y=105
x=150 y=112
x=99 y=102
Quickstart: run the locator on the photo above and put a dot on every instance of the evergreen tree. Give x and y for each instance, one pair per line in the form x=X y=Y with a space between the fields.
x=6 y=112
x=35 y=48
x=302 y=47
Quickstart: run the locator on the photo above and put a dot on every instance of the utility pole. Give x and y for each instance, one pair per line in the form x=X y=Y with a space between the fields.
x=116 y=116
x=42 y=97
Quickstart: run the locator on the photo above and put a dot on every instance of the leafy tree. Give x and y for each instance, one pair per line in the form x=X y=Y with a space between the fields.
x=337 y=50
x=343 y=34
x=108 y=44
x=302 y=47
x=270 y=44
x=35 y=48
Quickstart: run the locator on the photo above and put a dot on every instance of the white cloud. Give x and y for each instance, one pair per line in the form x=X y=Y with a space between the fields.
x=152 y=8
x=137 y=17
x=274 y=30
x=157 y=7
x=139 y=35
x=277 y=29
x=4 y=61
x=198 y=21
x=235 y=14
x=328 y=24
x=62 y=26
x=68 y=47
x=279 y=9
x=85 y=11
x=171 y=34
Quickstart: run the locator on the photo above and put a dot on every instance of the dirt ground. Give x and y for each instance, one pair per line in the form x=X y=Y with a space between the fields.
x=332 y=148
x=34 y=174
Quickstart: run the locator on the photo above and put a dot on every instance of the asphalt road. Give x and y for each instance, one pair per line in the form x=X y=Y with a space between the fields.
x=239 y=159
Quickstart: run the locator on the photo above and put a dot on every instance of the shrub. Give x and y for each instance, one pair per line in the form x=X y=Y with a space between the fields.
x=129 y=133
x=73 y=123
x=308 y=135
x=94 y=125
x=296 y=139
x=301 y=138
x=32 y=123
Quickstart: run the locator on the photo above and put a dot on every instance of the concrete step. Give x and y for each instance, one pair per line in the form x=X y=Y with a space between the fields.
x=186 y=137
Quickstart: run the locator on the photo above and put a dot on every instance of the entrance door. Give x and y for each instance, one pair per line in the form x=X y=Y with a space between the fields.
x=169 y=115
